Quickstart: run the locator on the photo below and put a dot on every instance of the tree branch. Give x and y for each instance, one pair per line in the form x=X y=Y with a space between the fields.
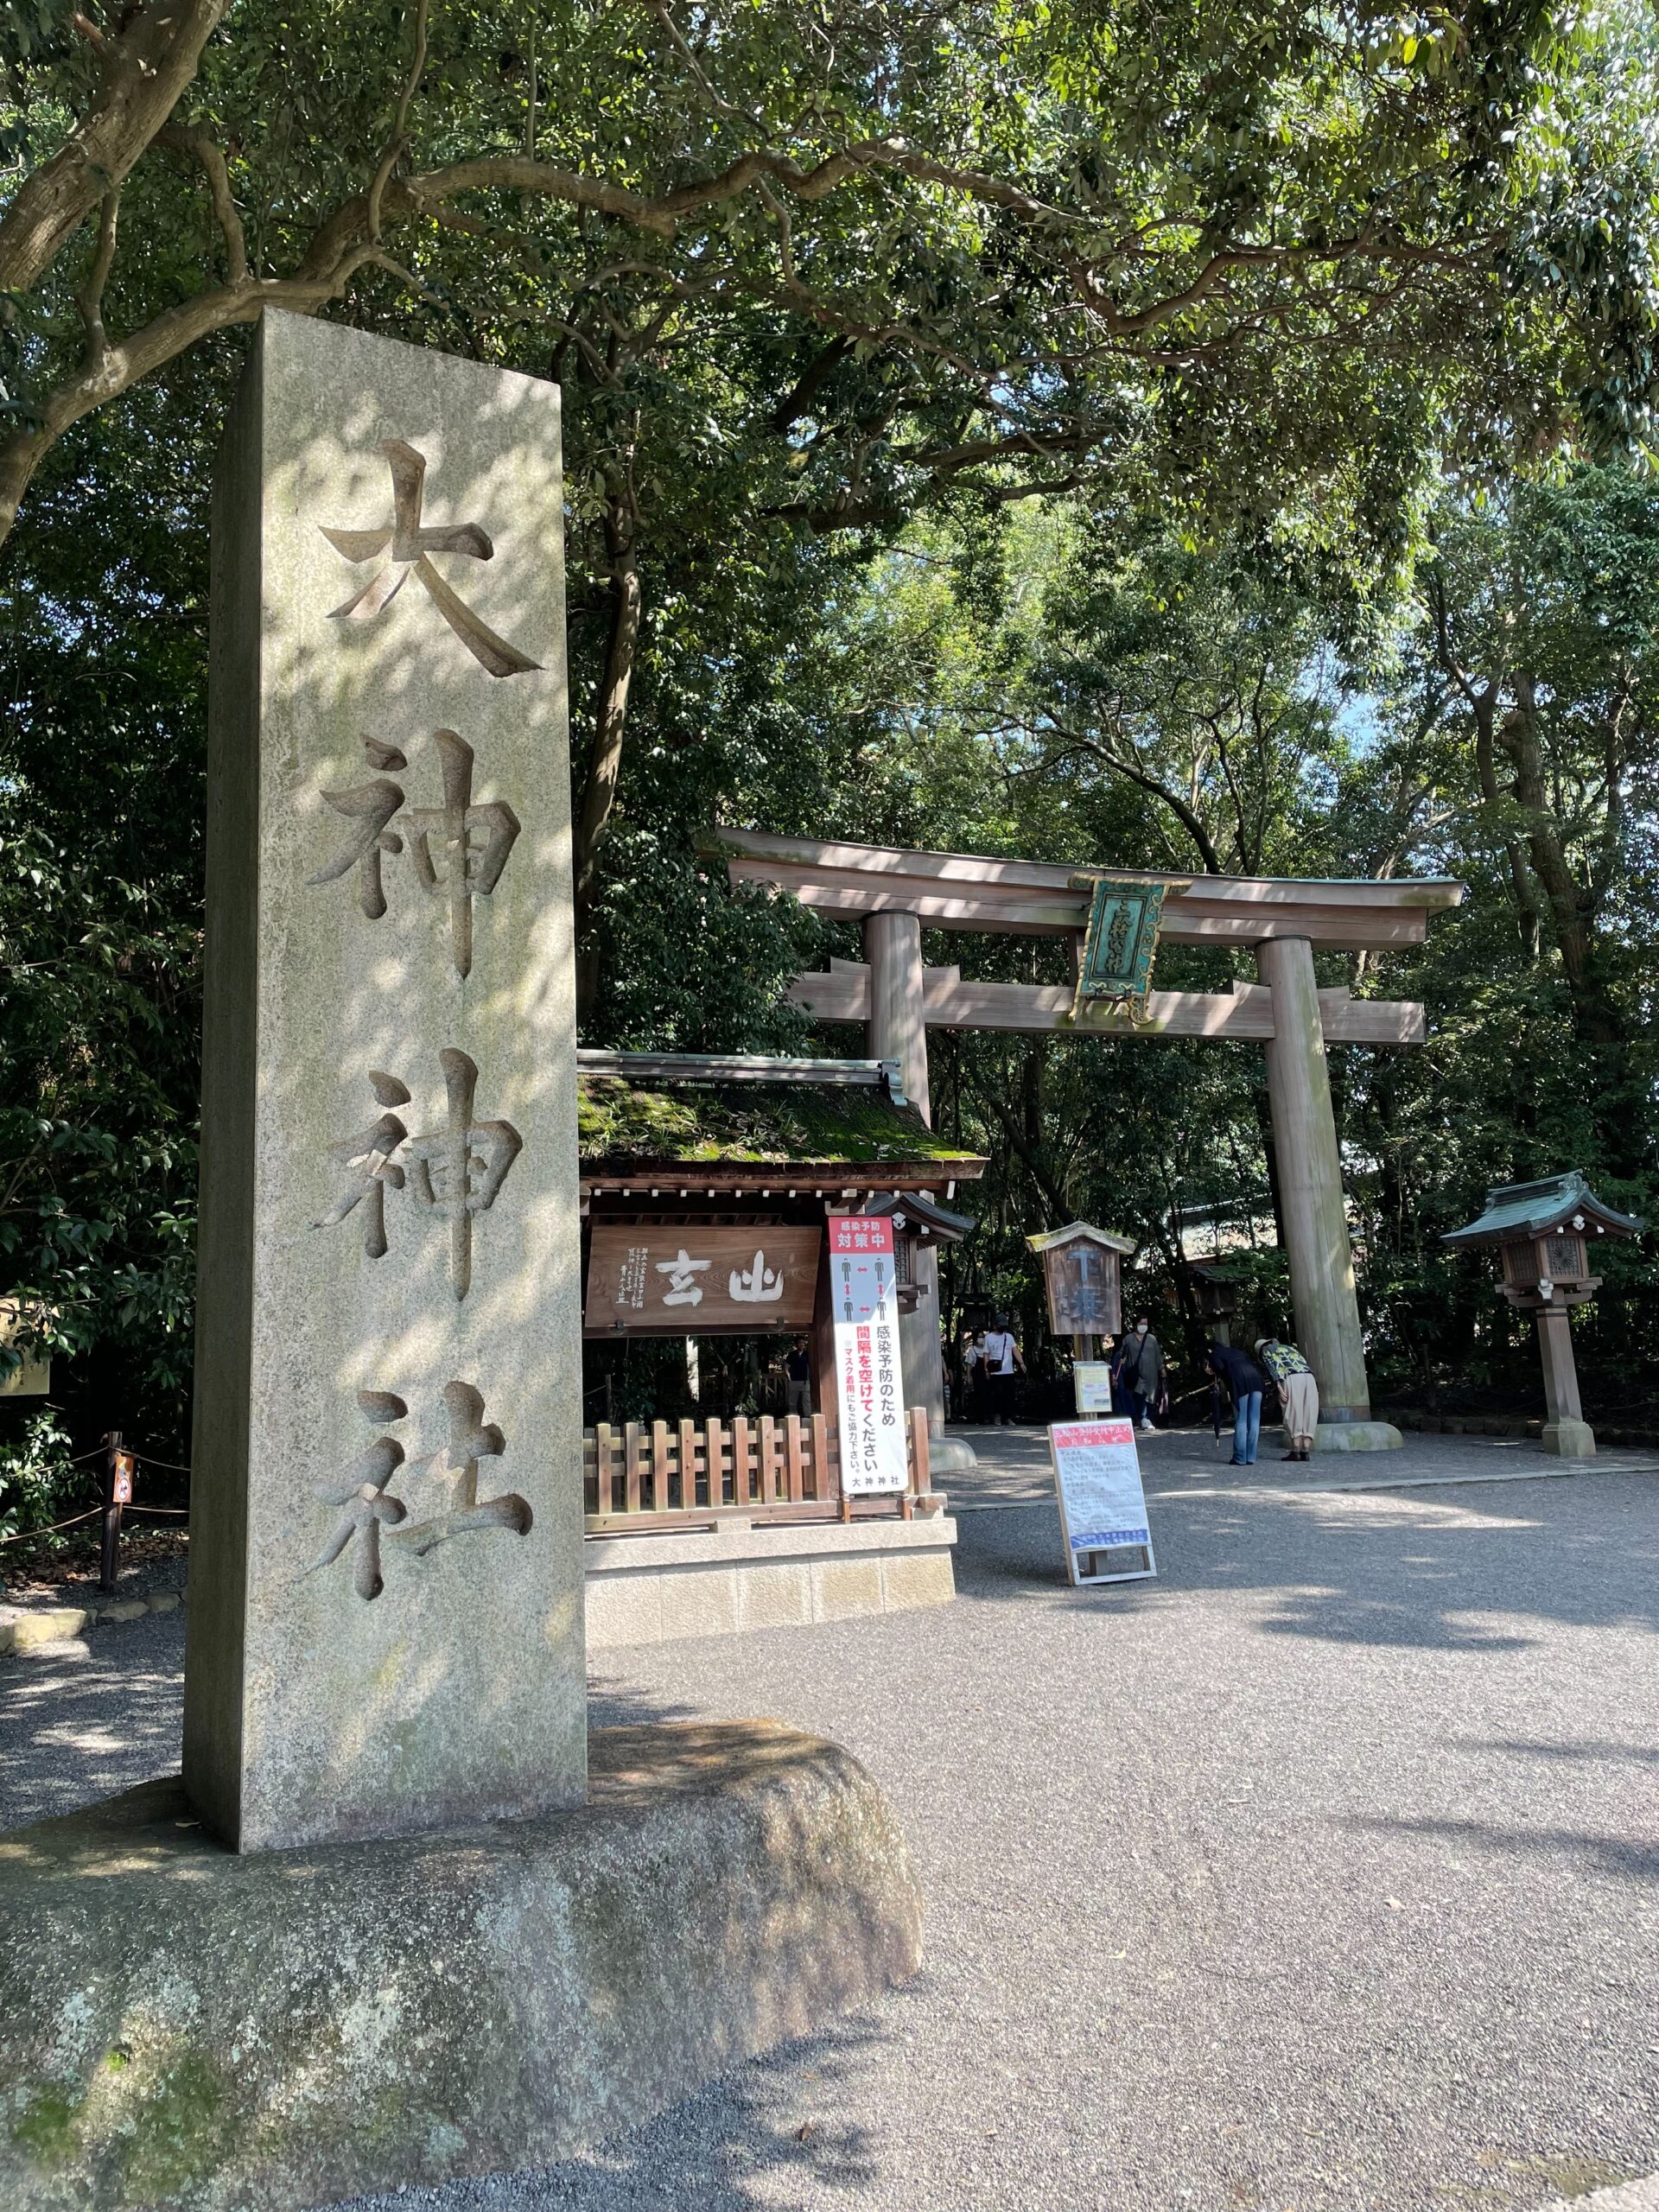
x=205 y=151
x=398 y=138
x=1186 y=814
x=144 y=71
x=89 y=300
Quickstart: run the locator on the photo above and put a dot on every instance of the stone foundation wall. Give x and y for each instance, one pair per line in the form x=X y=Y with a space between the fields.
x=719 y=1581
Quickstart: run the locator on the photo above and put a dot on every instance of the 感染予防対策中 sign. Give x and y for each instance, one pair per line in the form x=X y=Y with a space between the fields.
x=870 y=1391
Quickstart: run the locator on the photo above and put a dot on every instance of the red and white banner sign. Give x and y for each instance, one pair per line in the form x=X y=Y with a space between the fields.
x=863 y=1293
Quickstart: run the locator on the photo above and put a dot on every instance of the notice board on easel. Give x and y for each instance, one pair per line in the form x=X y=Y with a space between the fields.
x=1103 y=1506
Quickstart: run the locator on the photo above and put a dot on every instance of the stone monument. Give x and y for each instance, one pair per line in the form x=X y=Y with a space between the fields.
x=386 y=1625
x=383 y=1939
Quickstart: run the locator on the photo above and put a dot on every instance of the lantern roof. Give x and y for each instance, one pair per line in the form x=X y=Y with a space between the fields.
x=1077 y=1232
x=916 y=1209
x=1536 y=1209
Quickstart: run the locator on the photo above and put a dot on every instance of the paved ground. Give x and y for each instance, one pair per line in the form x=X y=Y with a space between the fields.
x=1322 y=1872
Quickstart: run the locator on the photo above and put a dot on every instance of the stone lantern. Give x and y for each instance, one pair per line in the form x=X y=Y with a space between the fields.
x=1546 y=1234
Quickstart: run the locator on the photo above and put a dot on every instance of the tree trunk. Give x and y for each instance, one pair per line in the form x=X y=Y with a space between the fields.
x=1484 y=705
x=1595 y=1019
x=611 y=715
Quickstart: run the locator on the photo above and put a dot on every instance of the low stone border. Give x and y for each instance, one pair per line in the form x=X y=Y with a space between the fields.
x=1507 y=1425
x=24 y=1630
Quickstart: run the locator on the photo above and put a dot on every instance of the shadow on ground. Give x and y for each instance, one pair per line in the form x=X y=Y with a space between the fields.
x=727 y=2147
x=1407 y=1568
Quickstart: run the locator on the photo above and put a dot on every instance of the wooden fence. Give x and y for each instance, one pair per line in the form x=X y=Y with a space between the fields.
x=649 y=1476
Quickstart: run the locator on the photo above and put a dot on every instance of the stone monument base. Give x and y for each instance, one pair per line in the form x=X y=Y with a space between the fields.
x=1569 y=1439
x=182 y=2027
x=951 y=1455
x=1357 y=1436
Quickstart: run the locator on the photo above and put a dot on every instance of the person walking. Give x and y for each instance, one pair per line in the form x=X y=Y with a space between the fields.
x=973 y=1391
x=1246 y=1383
x=1299 y=1394
x=1003 y=1359
x=1144 y=1371
x=798 y=1378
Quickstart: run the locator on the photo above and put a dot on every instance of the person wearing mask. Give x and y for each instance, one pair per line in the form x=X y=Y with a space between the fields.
x=1003 y=1360
x=976 y=1378
x=1299 y=1394
x=1117 y=1364
x=1246 y=1383
x=1143 y=1371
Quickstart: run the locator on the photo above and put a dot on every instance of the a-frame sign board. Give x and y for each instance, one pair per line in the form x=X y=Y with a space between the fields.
x=1102 y=1507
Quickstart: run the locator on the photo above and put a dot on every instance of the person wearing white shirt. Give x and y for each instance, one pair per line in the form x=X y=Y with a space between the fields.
x=1003 y=1361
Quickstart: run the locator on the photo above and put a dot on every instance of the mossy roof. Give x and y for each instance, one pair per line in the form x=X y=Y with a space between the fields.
x=758 y=1124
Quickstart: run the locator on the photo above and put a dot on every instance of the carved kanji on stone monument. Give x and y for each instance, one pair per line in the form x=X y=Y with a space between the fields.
x=459 y=867
x=369 y=808
x=389 y=976
x=471 y=1438
x=361 y=1492
x=444 y=846
x=456 y=1170
x=366 y=1162
x=409 y=545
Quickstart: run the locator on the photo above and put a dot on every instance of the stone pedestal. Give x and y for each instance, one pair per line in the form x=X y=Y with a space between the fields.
x=1567 y=1434
x=1310 y=1191
x=183 y=2026
x=387 y=1587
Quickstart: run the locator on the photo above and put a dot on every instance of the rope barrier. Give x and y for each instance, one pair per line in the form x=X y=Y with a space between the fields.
x=27 y=1535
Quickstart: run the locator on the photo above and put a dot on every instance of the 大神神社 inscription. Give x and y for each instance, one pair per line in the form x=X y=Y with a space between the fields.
x=462 y=869
x=367 y=1507
x=384 y=1408
x=409 y=546
x=454 y=1172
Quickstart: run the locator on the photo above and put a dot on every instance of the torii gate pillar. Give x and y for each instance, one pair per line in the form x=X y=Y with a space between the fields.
x=898 y=1031
x=1311 y=1200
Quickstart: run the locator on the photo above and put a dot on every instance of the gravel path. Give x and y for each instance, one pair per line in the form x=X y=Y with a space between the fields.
x=1322 y=1872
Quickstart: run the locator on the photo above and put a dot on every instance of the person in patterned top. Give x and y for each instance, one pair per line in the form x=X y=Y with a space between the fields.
x=1298 y=1393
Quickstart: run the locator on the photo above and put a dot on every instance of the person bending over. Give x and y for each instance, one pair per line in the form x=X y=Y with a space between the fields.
x=1299 y=1394
x=1245 y=1382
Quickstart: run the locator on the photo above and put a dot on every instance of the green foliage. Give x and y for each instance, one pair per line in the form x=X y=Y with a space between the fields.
x=38 y=1485
x=1147 y=447
x=103 y=651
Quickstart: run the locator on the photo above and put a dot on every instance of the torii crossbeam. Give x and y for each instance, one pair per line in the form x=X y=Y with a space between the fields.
x=899 y=892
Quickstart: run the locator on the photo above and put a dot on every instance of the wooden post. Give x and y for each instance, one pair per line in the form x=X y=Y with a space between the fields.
x=898 y=1031
x=108 y=1548
x=1310 y=1186
x=1566 y=1433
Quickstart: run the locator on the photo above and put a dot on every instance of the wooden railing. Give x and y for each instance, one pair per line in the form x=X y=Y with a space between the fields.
x=645 y=1476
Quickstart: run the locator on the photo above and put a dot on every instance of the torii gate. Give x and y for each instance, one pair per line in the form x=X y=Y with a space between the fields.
x=1283 y=919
